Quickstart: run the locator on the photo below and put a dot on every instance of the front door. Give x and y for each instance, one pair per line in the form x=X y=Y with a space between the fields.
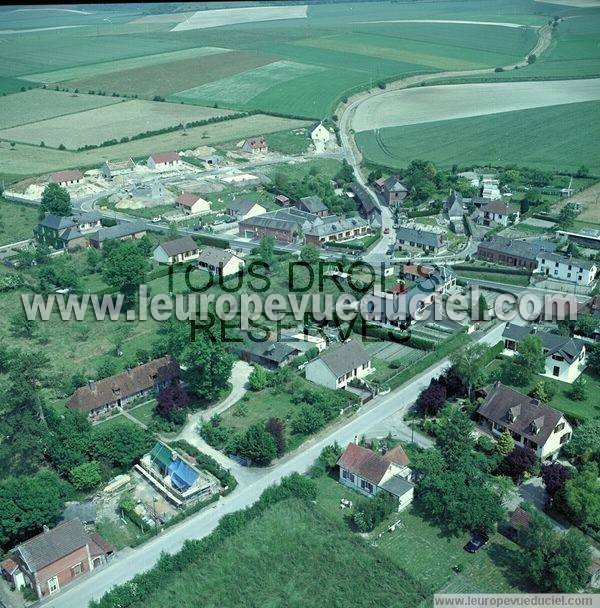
x=53 y=585
x=556 y=371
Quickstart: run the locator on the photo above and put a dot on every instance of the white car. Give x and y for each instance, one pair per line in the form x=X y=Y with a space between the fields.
x=156 y=219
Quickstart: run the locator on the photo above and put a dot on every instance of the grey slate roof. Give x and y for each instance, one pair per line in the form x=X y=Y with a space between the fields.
x=565 y=259
x=420 y=236
x=313 y=204
x=241 y=205
x=516 y=332
x=118 y=231
x=501 y=399
x=335 y=226
x=528 y=250
x=569 y=348
x=345 y=358
x=366 y=201
x=57 y=222
x=397 y=486
x=289 y=219
x=47 y=547
x=272 y=351
x=213 y=256
x=179 y=246
x=393 y=184
x=84 y=512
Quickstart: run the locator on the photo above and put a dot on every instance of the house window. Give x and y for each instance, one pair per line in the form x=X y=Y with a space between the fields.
x=53 y=586
x=365 y=485
x=556 y=371
x=559 y=427
x=76 y=569
x=565 y=438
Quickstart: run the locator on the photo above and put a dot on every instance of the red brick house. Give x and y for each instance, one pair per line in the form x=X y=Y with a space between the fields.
x=53 y=559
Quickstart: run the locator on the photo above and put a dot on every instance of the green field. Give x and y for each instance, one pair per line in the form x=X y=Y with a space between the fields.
x=547 y=138
x=40 y=104
x=16 y=221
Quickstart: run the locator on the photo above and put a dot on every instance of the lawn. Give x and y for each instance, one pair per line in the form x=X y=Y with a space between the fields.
x=144 y=413
x=16 y=221
x=496 y=277
x=289 y=142
x=96 y=126
x=294 y=554
x=588 y=408
x=546 y=138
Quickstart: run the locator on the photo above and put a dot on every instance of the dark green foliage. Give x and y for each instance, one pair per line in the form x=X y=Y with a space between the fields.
x=119 y=445
x=55 y=200
x=258 y=445
x=370 y=513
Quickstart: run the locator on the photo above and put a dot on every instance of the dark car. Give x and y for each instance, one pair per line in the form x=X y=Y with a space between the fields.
x=477 y=541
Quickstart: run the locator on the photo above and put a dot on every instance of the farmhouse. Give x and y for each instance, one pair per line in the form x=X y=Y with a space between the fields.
x=284 y=225
x=368 y=207
x=333 y=229
x=565 y=356
x=370 y=473
x=67 y=232
x=498 y=212
x=421 y=238
x=103 y=396
x=255 y=145
x=513 y=252
x=321 y=138
x=392 y=190
x=191 y=203
x=312 y=204
x=53 y=559
x=177 y=251
x=122 y=232
x=269 y=354
x=66 y=178
x=337 y=367
x=222 y=262
x=164 y=160
x=111 y=169
x=242 y=209
x=531 y=423
x=567 y=268
x=178 y=480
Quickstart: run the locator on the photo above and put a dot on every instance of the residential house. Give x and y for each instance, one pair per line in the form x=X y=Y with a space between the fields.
x=368 y=207
x=270 y=354
x=242 y=209
x=53 y=559
x=370 y=473
x=255 y=145
x=530 y=423
x=416 y=272
x=66 y=178
x=104 y=396
x=125 y=231
x=392 y=190
x=177 y=251
x=420 y=238
x=517 y=253
x=85 y=512
x=565 y=356
x=322 y=138
x=312 y=204
x=285 y=225
x=164 y=160
x=222 y=262
x=498 y=212
x=192 y=204
x=333 y=229
x=490 y=188
x=111 y=169
x=338 y=366
x=518 y=522
x=454 y=210
x=567 y=268
x=67 y=232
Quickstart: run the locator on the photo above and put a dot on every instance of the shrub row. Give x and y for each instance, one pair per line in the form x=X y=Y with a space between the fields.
x=492 y=269
x=421 y=343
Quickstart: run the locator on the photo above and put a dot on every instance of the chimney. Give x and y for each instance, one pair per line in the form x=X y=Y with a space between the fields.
x=45 y=528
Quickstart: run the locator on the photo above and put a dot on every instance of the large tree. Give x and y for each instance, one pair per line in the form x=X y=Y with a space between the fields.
x=431 y=399
x=258 y=445
x=119 y=445
x=555 y=476
x=518 y=462
x=469 y=366
x=125 y=269
x=455 y=437
x=580 y=497
x=55 y=200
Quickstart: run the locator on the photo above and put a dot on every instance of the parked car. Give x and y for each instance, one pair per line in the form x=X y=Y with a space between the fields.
x=386 y=231
x=477 y=541
x=156 y=219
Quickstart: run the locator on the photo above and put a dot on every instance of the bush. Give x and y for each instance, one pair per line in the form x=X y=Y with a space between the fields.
x=370 y=513
x=86 y=476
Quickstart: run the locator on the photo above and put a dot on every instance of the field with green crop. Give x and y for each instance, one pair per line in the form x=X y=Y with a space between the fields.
x=40 y=104
x=112 y=122
x=16 y=221
x=548 y=138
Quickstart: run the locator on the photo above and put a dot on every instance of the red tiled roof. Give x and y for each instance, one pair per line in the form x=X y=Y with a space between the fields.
x=99 y=545
x=66 y=176
x=398 y=288
x=364 y=463
x=8 y=565
x=398 y=456
x=187 y=199
x=520 y=519
x=256 y=142
x=165 y=157
x=417 y=269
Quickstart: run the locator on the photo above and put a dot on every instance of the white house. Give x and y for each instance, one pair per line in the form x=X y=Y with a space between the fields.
x=321 y=137
x=255 y=145
x=66 y=178
x=242 y=209
x=192 y=204
x=490 y=188
x=221 y=262
x=565 y=356
x=164 y=160
x=499 y=212
x=567 y=268
x=530 y=423
x=337 y=367
x=177 y=251
x=370 y=473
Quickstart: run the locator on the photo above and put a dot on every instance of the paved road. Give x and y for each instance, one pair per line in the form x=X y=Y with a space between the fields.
x=131 y=562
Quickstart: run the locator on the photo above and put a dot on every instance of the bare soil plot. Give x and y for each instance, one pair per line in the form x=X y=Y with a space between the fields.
x=39 y=104
x=445 y=102
x=589 y=199
x=105 y=67
x=231 y=16
x=113 y=122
